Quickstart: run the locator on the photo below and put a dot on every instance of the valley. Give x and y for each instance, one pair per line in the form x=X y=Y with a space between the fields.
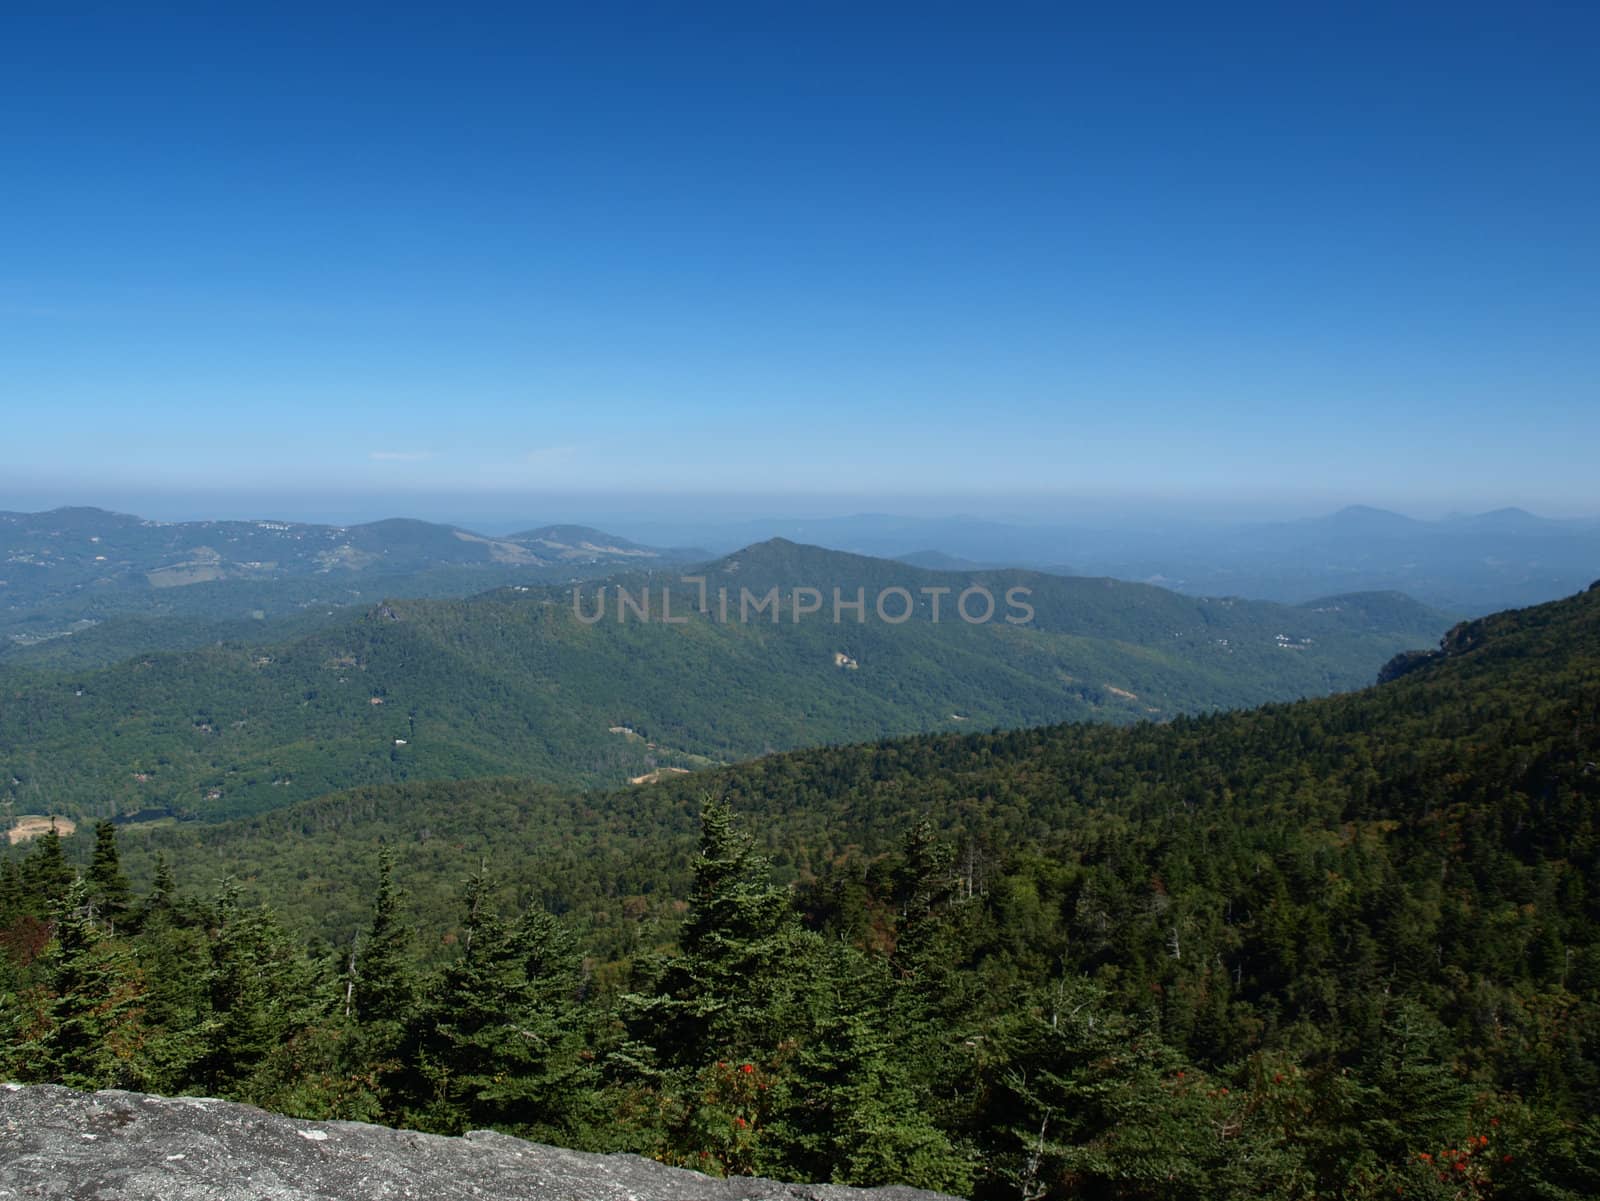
x=514 y=682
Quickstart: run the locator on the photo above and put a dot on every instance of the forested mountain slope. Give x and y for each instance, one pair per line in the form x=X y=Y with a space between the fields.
x=1487 y=751
x=1341 y=947
x=516 y=682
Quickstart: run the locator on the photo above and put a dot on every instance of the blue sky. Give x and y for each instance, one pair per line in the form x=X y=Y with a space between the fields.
x=1275 y=257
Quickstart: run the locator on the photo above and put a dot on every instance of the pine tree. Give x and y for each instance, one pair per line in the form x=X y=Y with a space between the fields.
x=382 y=985
x=1087 y=1101
x=1408 y=1097
x=13 y=894
x=46 y=874
x=262 y=995
x=95 y=994
x=497 y=1040
x=14 y=1021
x=725 y=993
x=174 y=955
x=924 y=885
x=108 y=887
x=163 y=892
x=380 y=998
x=934 y=1003
x=165 y=887
x=848 y=1107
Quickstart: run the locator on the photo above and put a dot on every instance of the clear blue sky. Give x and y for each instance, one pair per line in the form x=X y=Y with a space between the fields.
x=1299 y=255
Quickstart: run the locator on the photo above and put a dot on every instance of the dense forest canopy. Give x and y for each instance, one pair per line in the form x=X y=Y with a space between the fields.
x=513 y=682
x=1339 y=947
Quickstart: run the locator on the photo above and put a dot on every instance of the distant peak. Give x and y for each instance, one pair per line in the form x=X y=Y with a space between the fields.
x=573 y=536
x=1368 y=518
x=1509 y=518
x=1368 y=512
x=393 y=524
x=788 y=555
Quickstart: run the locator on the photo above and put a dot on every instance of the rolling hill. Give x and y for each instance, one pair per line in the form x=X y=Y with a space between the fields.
x=1488 y=747
x=515 y=682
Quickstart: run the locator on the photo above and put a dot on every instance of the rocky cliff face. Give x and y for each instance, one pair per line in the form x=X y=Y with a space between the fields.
x=120 y=1146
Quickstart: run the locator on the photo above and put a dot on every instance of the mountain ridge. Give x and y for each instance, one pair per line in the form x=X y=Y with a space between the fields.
x=515 y=681
x=1023 y=784
x=1470 y=564
x=182 y=584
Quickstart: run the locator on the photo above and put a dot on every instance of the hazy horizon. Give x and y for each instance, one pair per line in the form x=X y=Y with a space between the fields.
x=617 y=512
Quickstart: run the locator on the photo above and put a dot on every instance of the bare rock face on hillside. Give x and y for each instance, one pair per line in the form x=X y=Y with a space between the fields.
x=120 y=1146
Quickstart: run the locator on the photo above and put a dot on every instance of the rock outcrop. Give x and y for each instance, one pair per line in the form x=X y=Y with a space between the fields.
x=121 y=1146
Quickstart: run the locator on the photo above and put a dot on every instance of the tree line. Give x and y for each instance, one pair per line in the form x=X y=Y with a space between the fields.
x=896 y=1030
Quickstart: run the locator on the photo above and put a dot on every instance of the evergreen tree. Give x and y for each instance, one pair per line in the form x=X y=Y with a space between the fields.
x=924 y=886
x=108 y=887
x=382 y=987
x=163 y=892
x=14 y=1021
x=262 y=995
x=380 y=997
x=95 y=992
x=1086 y=1101
x=935 y=1005
x=848 y=1107
x=174 y=956
x=498 y=1038
x=46 y=874
x=724 y=995
x=1403 y=1098
x=13 y=892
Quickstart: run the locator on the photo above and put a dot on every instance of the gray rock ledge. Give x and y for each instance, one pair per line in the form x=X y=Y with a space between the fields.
x=121 y=1146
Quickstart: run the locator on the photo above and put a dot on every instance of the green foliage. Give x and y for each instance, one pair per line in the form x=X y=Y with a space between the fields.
x=46 y=874
x=1089 y=1101
x=173 y=953
x=108 y=887
x=496 y=1037
x=852 y=1105
x=382 y=987
x=512 y=683
x=1330 y=949
x=261 y=993
x=93 y=996
x=731 y=987
x=772 y=1048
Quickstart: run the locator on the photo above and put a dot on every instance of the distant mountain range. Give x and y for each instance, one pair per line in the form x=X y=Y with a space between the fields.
x=69 y=570
x=48 y=554
x=1466 y=563
x=513 y=682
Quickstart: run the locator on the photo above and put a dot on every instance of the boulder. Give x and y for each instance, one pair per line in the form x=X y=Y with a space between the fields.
x=121 y=1146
